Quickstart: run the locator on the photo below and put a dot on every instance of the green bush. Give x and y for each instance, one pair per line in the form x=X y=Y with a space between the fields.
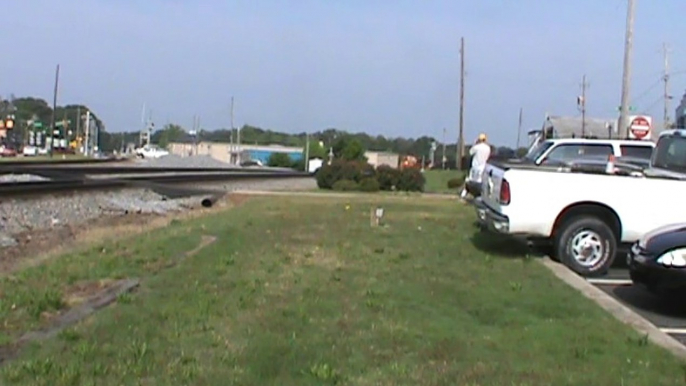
x=456 y=182
x=339 y=170
x=411 y=180
x=280 y=160
x=388 y=177
x=369 y=184
x=346 y=186
x=325 y=177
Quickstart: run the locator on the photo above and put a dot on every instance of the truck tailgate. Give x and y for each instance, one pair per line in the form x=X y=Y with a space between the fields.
x=490 y=188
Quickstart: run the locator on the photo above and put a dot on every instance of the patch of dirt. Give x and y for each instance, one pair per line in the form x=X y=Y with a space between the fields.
x=238 y=199
x=37 y=246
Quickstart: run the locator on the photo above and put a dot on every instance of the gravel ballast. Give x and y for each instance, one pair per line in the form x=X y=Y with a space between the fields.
x=44 y=212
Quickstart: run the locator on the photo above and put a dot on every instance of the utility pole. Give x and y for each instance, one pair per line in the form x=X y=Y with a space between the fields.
x=581 y=104
x=626 y=76
x=460 y=136
x=307 y=152
x=87 y=146
x=443 y=156
x=666 y=91
x=78 y=125
x=238 y=136
x=54 y=107
x=519 y=127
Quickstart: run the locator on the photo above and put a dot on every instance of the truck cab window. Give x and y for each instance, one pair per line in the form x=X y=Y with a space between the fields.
x=633 y=151
x=570 y=152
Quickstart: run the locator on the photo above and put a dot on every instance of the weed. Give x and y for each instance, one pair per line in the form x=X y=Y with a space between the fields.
x=125 y=298
x=325 y=373
x=69 y=335
x=48 y=300
x=515 y=286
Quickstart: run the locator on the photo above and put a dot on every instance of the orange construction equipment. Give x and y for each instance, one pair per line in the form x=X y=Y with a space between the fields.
x=409 y=162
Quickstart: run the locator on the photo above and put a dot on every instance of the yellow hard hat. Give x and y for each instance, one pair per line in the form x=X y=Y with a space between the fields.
x=482 y=137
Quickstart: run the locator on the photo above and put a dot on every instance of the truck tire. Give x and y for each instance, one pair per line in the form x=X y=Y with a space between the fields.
x=586 y=245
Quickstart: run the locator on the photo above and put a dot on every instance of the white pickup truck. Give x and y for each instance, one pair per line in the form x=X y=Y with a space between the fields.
x=586 y=214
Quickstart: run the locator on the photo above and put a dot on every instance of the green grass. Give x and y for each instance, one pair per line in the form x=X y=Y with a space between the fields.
x=437 y=180
x=303 y=291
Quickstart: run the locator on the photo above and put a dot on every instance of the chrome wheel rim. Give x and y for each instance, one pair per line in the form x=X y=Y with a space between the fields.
x=587 y=248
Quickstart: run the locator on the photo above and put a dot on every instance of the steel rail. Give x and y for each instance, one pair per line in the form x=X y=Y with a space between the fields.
x=77 y=184
x=63 y=161
x=40 y=170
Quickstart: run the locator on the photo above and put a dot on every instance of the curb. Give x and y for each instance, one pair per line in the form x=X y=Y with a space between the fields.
x=621 y=312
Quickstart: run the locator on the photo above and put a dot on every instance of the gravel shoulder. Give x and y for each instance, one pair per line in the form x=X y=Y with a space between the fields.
x=46 y=224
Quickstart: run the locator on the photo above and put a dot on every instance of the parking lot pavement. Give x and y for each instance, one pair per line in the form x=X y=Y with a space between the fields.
x=666 y=314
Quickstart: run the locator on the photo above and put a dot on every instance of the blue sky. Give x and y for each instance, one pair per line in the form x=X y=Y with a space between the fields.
x=384 y=67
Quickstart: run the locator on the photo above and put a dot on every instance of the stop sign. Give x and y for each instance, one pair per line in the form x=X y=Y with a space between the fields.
x=639 y=127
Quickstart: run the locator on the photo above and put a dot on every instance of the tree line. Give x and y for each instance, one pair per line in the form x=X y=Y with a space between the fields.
x=26 y=109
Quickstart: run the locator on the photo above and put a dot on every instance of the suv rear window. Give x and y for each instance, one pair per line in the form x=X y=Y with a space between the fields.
x=634 y=151
x=670 y=153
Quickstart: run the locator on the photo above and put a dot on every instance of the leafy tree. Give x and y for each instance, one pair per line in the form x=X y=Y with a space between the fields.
x=169 y=133
x=521 y=152
x=349 y=149
x=316 y=150
x=353 y=151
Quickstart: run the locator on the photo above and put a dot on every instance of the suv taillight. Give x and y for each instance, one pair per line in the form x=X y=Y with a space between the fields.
x=505 y=193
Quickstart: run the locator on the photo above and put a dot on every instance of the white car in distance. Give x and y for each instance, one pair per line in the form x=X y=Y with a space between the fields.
x=150 y=151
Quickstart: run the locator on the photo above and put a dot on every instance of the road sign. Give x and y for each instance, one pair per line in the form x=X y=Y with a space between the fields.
x=631 y=108
x=639 y=127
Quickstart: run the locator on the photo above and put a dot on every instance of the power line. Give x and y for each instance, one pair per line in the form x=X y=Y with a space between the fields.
x=653 y=104
x=648 y=90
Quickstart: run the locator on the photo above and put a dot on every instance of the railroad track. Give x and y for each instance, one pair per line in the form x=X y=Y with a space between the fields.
x=117 y=169
x=57 y=161
x=74 y=182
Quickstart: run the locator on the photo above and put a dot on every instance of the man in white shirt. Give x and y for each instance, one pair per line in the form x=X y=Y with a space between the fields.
x=480 y=153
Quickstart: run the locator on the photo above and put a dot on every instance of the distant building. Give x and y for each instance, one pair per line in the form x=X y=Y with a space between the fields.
x=378 y=158
x=229 y=153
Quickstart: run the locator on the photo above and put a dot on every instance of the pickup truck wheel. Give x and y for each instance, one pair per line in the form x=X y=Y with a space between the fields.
x=586 y=245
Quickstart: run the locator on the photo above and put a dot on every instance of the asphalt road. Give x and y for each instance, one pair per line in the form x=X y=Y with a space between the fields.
x=669 y=315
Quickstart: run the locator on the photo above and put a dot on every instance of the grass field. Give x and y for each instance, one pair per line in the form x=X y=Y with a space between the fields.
x=437 y=180
x=304 y=291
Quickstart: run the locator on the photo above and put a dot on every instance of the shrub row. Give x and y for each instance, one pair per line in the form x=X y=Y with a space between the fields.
x=361 y=176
